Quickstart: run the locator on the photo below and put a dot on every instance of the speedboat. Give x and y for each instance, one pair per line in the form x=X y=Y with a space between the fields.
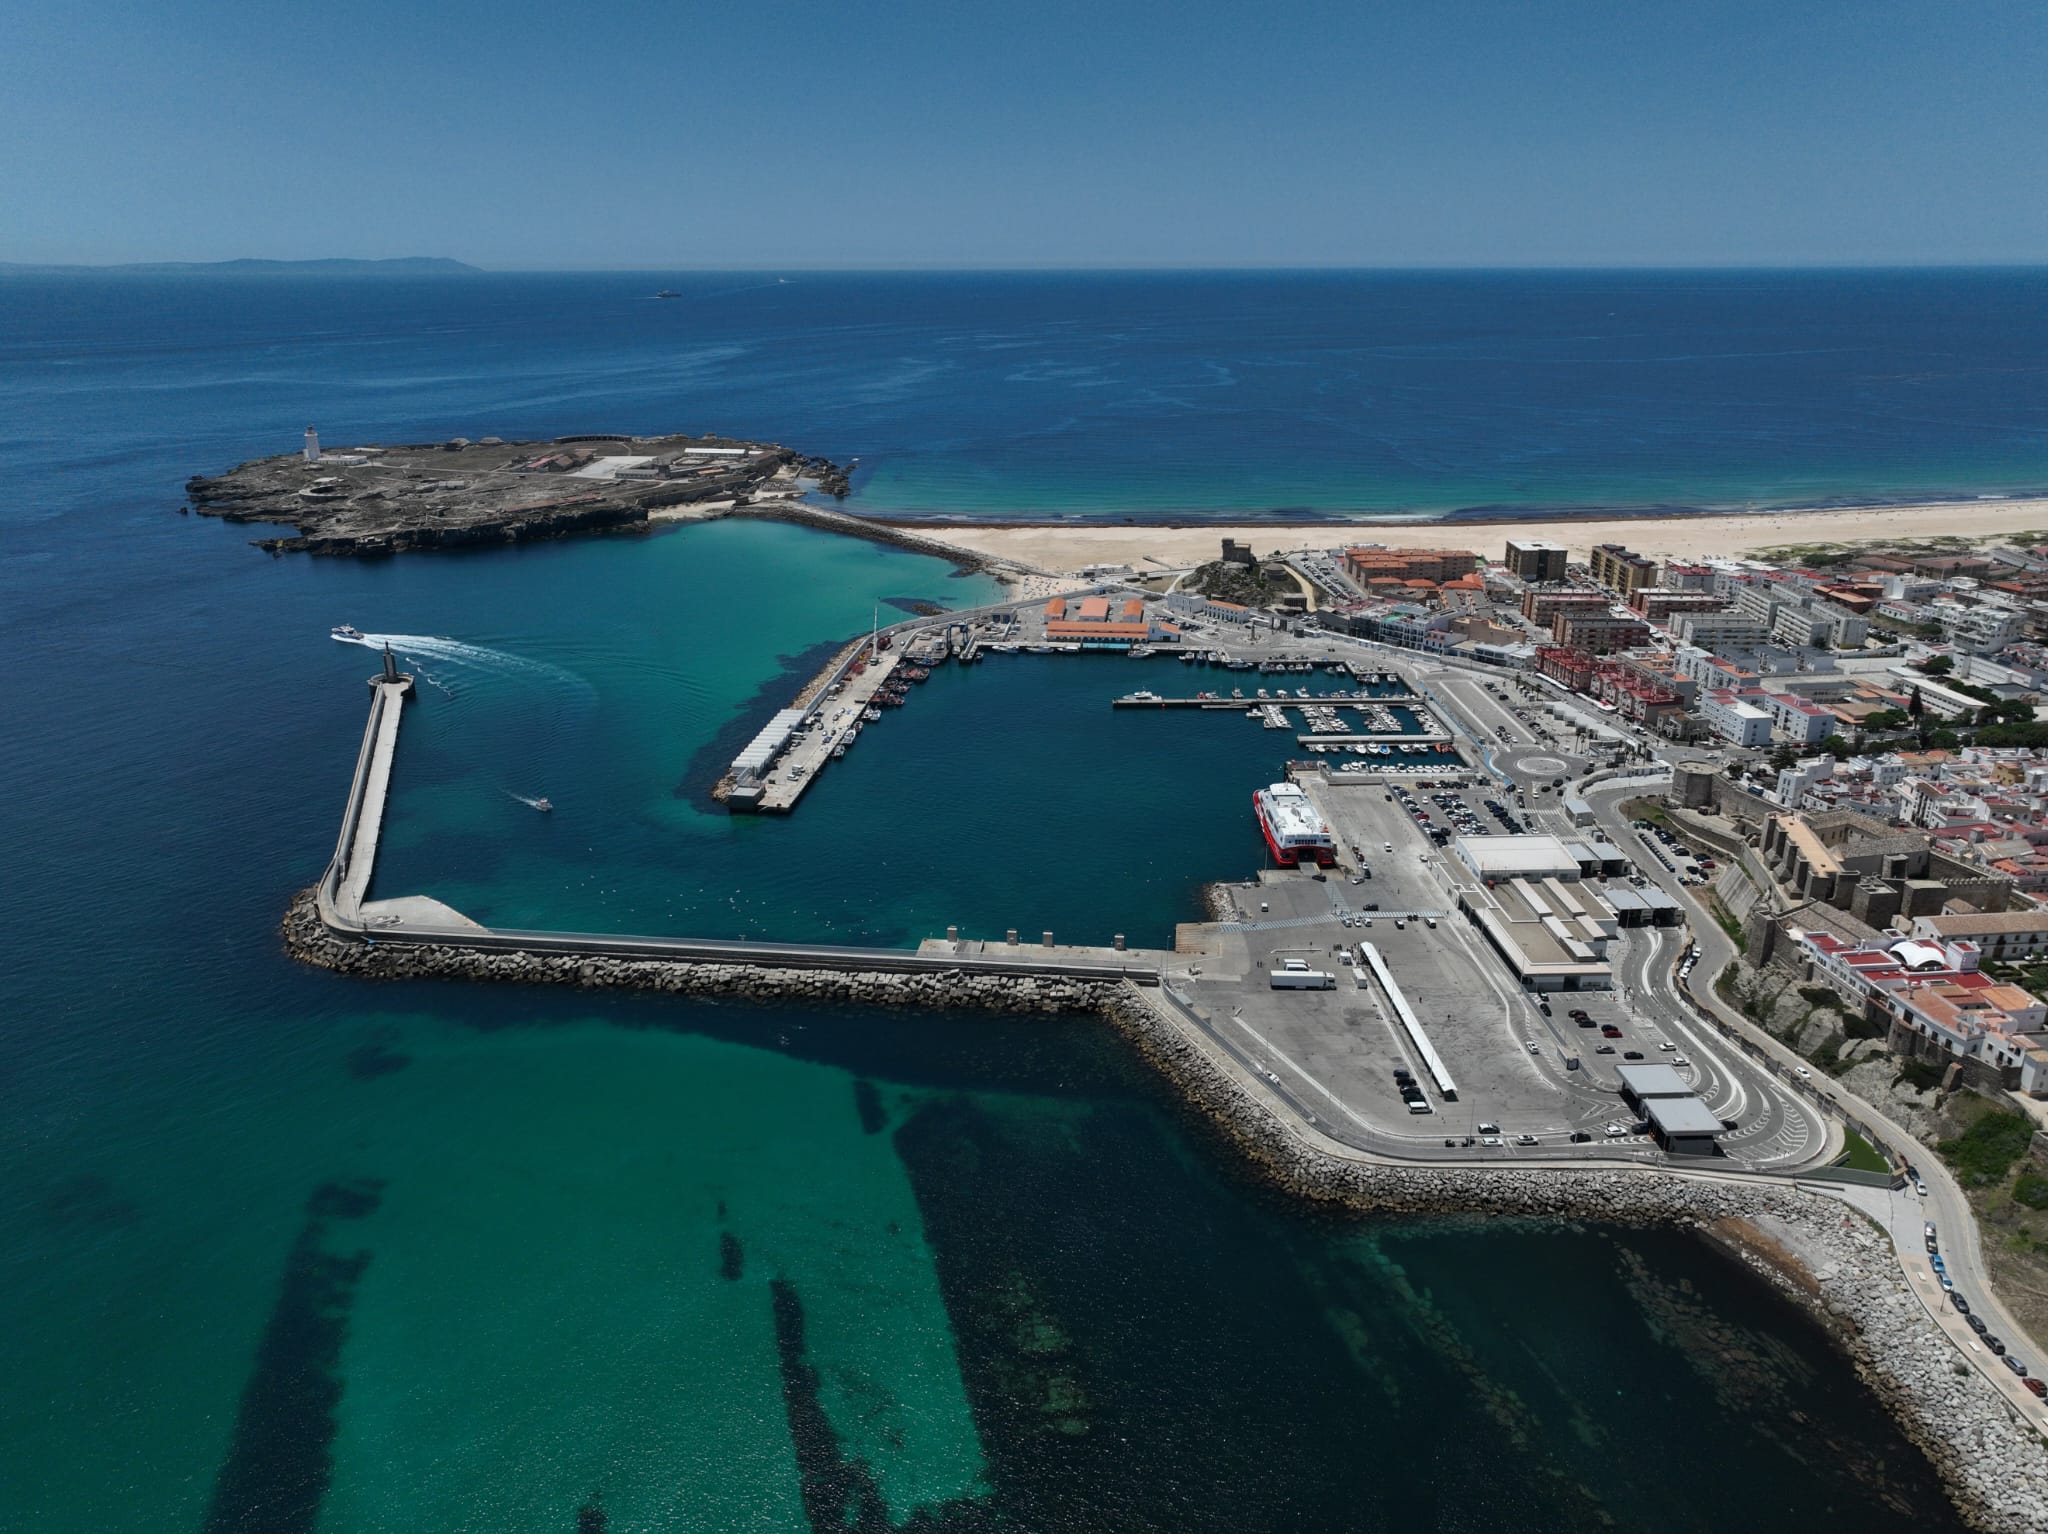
x=544 y=804
x=347 y=632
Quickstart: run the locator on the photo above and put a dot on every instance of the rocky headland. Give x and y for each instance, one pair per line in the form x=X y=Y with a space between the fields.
x=489 y=492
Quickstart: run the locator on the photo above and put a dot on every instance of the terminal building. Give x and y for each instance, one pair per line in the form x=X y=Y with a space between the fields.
x=1679 y=1122
x=1552 y=935
x=1104 y=623
x=1540 y=857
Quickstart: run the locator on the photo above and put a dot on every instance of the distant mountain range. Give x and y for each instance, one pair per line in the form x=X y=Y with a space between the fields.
x=402 y=266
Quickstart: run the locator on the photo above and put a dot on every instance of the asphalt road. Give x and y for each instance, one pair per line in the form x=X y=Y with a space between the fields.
x=1902 y=1212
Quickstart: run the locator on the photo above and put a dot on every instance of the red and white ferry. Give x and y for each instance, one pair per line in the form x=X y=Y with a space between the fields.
x=1293 y=828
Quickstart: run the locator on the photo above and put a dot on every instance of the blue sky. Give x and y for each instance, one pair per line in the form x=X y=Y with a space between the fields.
x=1115 y=132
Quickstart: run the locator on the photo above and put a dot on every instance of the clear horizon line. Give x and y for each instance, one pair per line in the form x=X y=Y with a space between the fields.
x=1000 y=267
x=2033 y=264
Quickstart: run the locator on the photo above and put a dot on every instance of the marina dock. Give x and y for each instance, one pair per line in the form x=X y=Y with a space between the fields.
x=1326 y=699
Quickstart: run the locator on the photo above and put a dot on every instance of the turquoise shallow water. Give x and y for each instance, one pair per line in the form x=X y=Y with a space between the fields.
x=288 y=1252
x=1008 y=794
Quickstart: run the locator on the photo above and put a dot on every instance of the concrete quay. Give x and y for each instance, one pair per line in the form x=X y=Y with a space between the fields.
x=834 y=720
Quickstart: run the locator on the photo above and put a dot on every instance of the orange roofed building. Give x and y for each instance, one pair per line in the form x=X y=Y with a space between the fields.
x=1433 y=565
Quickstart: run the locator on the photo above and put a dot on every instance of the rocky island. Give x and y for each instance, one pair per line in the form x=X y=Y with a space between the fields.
x=462 y=493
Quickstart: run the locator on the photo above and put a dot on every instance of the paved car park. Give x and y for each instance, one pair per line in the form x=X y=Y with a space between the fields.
x=1520 y=1062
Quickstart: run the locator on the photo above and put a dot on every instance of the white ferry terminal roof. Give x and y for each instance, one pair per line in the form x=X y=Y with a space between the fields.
x=1507 y=857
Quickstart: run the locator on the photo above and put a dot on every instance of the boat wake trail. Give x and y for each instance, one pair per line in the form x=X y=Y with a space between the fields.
x=428 y=677
x=474 y=657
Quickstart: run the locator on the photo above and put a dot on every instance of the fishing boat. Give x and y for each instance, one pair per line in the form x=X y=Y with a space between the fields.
x=543 y=804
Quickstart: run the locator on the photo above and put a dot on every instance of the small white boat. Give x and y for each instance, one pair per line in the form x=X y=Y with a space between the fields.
x=348 y=633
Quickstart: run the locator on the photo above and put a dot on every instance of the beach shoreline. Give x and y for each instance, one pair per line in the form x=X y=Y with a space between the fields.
x=1693 y=535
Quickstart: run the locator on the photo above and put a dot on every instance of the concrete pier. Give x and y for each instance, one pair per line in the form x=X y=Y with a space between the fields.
x=343 y=894
x=380 y=746
x=831 y=723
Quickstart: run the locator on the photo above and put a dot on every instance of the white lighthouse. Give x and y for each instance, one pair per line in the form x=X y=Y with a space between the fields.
x=312 y=445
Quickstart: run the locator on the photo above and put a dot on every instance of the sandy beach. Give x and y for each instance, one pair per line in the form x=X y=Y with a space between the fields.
x=1688 y=537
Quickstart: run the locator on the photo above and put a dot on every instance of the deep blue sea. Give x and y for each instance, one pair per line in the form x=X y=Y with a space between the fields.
x=289 y=1252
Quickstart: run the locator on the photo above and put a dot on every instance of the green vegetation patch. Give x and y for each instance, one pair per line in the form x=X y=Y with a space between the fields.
x=1982 y=1154
x=1859 y=1155
x=2031 y=1189
x=1818 y=555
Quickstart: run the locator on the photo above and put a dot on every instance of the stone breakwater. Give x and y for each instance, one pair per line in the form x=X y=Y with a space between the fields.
x=875 y=532
x=307 y=939
x=1820 y=1253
